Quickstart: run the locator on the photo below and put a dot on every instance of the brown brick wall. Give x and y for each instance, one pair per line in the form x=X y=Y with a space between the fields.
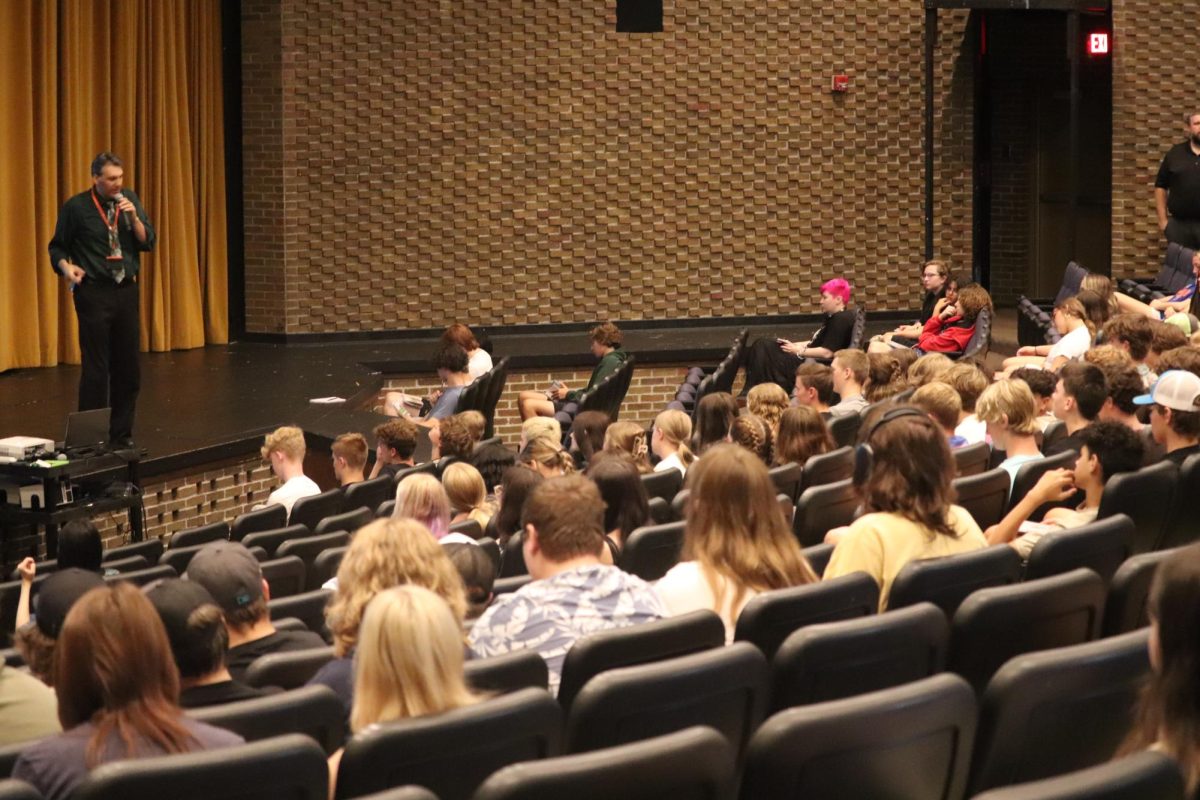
x=954 y=152
x=497 y=161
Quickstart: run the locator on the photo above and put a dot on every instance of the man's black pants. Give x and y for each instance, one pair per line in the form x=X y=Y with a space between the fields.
x=109 y=322
x=1183 y=232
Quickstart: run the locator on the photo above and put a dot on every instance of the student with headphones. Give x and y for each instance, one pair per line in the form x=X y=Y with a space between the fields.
x=903 y=471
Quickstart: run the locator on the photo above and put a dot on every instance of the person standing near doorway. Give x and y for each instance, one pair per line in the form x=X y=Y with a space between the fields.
x=1177 y=188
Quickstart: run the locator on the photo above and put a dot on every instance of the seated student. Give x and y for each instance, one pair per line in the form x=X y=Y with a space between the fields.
x=776 y=360
x=393 y=679
x=767 y=401
x=1166 y=719
x=572 y=593
x=1010 y=413
x=753 y=434
x=937 y=282
x=1078 y=397
x=37 y=640
x=515 y=486
x=1174 y=402
x=672 y=431
x=802 y=435
x=944 y=407
x=478 y=573
x=849 y=374
x=479 y=361
x=813 y=387
x=951 y=329
x=629 y=439
x=885 y=377
x=28 y=707
x=1173 y=309
x=1134 y=334
x=384 y=554
x=1185 y=358
x=451 y=438
x=928 y=368
x=714 y=417
x=349 y=458
x=606 y=341
x=476 y=424
x=906 y=499
x=589 y=431
x=547 y=428
x=79 y=547
x=196 y=631
x=1124 y=386
x=284 y=450
x=1041 y=383
x=946 y=308
x=451 y=365
x=118 y=695
x=547 y=458
x=1070 y=320
x=492 y=459
x=395 y=443
x=969 y=381
x=234 y=579
x=736 y=544
x=1107 y=449
x=467 y=494
x=1166 y=337
x=421 y=497
x=626 y=504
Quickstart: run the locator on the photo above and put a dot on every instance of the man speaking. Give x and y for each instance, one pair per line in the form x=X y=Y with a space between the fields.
x=96 y=247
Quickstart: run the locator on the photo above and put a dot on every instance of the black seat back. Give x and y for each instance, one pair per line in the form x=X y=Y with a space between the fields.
x=314 y=711
x=786 y=478
x=511 y=672
x=651 y=550
x=287 y=576
x=497 y=377
x=468 y=527
x=1031 y=472
x=1146 y=496
x=213 y=532
x=264 y=519
x=833 y=660
x=993 y=625
x=665 y=484
x=308 y=607
x=349 y=521
x=1125 y=609
x=822 y=507
x=452 y=753
x=142 y=577
x=1144 y=776
x=768 y=619
x=844 y=429
x=724 y=688
x=818 y=556
x=178 y=558
x=836 y=465
x=984 y=495
x=287 y=670
x=288 y=767
x=17 y=790
x=1099 y=546
x=1036 y=708
x=1181 y=528
x=369 y=493
x=270 y=540
x=309 y=511
x=908 y=741
x=637 y=644
x=130 y=564
x=947 y=581
x=972 y=459
x=150 y=549
x=325 y=566
x=309 y=548
x=981 y=339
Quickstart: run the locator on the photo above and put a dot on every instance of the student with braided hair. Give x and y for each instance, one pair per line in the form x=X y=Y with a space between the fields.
x=754 y=434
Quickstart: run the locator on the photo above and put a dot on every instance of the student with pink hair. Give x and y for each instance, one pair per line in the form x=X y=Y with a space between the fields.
x=775 y=361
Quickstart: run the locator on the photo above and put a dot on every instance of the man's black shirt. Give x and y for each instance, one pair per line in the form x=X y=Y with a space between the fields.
x=837 y=331
x=81 y=237
x=1179 y=174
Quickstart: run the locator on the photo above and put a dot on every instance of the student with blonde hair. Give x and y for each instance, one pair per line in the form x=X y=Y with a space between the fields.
x=386 y=553
x=540 y=428
x=395 y=680
x=802 y=435
x=1008 y=409
x=349 y=452
x=547 y=458
x=466 y=492
x=768 y=402
x=672 y=432
x=970 y=382
x=422 y=498
x=629 y=438
x=928 y=368
x=284 y=450
x=944 y=406
x=737 y=543
x=1071 y=320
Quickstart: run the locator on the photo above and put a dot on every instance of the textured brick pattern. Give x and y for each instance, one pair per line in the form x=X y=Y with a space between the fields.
x=954 y=154
x=498 y=161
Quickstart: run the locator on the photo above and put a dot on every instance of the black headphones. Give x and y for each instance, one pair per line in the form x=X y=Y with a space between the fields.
x=864 y=456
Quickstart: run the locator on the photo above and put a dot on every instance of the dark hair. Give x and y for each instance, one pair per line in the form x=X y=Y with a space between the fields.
x=451 y=358
x=1135 y=330
x=1124 y=383
x=400 y=435
x=802 y=435
x=588 y=429
x=607 y=334
x=912 y=470
x=1095 y=309
x=492 y=459
x=1116 y=445
x=1186 y=357
x=818 y=377
x=1166 y=337
x=884 y=377
x=1084 y=382
x=568 y=515
x=1185 y=423
x=456 y=438
x=460 y=335
x=477 y=570
x=516 y=485
x=1040 y=381
x=203 y=651
x=79 y=546
x=102 y=160
x=627 y=506
x=714 y=417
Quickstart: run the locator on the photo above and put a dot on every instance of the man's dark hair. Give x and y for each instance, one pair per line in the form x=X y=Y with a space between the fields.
x=491 y=460
x=1187 y=358
x=400 y=435
x=451 y=358
x=1135 y=330
x=1117 y=446
x=1124 y=383
x=818 y=377
x=1085 y=382
x=607 y=334
x=1040 y=381
x=477 y=570
x=203 y=651
x=103 y=160
x=79 y=546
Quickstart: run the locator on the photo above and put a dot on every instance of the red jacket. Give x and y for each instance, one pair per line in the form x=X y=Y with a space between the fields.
x=945 y=336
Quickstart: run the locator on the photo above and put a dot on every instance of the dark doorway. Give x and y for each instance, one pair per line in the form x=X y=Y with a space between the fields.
x=1027 y=221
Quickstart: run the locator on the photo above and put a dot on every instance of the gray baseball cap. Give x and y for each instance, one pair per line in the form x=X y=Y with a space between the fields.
x=229 y=572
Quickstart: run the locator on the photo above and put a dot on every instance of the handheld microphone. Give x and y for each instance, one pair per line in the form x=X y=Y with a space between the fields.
x=128 y=214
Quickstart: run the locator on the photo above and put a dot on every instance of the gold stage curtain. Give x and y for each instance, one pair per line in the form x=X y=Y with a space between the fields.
x=141 y=78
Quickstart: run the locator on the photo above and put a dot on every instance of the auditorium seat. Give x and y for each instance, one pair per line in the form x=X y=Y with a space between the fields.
x=1176 y=273
x=665 y=484
x=385 y=509
x=637 y=644
x=818 y=556
x=972 y=459
x=369 y=493
x=452 y=753
x=204 y=534
x=981 y=340
x=768 y=619
x=1142 y=776
x=651 y=550
x=786 y=478
x=512 y=565
x=150 y=549
x=17 y=790
x=993 y=625
x=287 y=576
x=836 y=465
x=128 y=564
x=314 y=711
x=349 y=521
x=308 y=607
x=725 y=688
x=325 y=566
x=288 y=767
x=1181 y=528
x=309 y=511
x=511 y=584
x=844 y=429
x=910 y=741
x=1055 y=711
x=492 y=548
x=9 y=754
x=401 y=793
x=1099 y=546
x=660 y=511
x=832 y=660
x=679 y=503
x=984 y=495
x=270 y=540
x=142 y=577
x=468 y=527
x=178 y=558
x=287 y=670
x=428 y=468
x=308 y=548
x=272 y=517
x=1125 y=609
x=692 y=764
x=1029 y=473
x=1146 y=496
x=1054 y=432
x=822 y=508
x=949 y=580
x=511 y=672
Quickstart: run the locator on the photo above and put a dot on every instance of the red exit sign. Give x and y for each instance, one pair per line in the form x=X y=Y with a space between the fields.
x=1099 y=43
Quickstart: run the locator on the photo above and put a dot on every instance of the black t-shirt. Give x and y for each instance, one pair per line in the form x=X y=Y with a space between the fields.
x=240 y=657
x=1179 y=174
x=928 y=304
x=1071 y=442
x=1182 y=454
x=837 y=331
x=214 y=694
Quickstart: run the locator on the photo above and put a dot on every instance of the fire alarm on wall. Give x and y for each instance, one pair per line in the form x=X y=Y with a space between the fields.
x=841 y=83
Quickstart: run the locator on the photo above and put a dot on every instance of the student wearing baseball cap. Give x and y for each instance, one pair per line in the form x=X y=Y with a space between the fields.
x=232 y=576
x=1174 y=402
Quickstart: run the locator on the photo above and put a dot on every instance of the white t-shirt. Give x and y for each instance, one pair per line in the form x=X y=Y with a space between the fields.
x=1073 y=345
x=479 y=363
x=972 y=428
x=671 y=462
x=684 y=590
x=293 y=490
